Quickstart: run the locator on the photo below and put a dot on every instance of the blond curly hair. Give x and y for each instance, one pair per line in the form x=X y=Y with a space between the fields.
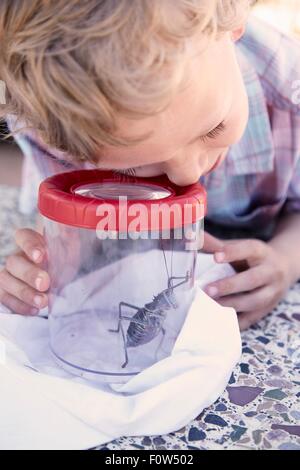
x=71 y=67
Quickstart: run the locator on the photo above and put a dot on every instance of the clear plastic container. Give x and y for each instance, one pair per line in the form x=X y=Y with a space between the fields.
x=121 y=257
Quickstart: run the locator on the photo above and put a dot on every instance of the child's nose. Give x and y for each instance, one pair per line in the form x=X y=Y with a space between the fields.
x=184 y=171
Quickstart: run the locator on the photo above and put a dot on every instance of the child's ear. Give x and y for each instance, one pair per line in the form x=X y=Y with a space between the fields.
x=238 y=33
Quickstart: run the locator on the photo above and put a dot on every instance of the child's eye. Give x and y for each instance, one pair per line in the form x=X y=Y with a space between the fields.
x=215 y=132
x=126 y=172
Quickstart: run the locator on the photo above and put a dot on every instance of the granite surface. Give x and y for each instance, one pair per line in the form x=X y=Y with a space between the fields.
x=260 y=408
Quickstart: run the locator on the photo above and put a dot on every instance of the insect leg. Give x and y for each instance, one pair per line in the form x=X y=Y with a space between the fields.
x=121 y=304
x=160 y=343
x=124 y=317
x=124 y=346
x=186 y=279
x=120 y=326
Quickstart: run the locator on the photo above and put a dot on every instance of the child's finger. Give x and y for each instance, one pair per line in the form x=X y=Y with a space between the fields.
x=248 y=319
x=257 y=300
x=16 y=305
x=32 y=243
x=243 y=282
x=22 y=291
x=20 y=267
x=241 y=250
x=211 y=243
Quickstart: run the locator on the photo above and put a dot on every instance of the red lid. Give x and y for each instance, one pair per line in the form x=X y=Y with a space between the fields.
x=104 y=200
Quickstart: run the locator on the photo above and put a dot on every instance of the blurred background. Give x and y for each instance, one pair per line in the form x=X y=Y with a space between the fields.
x=284 y=14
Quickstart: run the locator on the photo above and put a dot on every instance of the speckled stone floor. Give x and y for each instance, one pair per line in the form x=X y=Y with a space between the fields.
x=260 y=408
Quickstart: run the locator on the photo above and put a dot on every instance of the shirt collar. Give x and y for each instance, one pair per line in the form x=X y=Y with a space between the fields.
x=254 y=153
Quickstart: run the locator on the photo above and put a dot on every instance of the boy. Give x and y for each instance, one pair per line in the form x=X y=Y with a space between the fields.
x=169 y=87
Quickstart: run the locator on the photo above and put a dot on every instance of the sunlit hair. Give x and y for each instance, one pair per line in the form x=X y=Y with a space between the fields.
x=71 y=67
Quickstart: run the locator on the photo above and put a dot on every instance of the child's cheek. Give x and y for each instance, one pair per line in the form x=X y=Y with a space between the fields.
x=237 y=119
x=236 y=127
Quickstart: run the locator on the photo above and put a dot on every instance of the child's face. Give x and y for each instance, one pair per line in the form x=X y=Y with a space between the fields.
x=192 y=137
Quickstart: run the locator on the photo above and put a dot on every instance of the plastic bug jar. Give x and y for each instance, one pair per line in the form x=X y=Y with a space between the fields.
x=121 y=254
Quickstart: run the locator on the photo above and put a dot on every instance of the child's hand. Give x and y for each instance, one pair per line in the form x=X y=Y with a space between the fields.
x=23 y=282
x=258 y=287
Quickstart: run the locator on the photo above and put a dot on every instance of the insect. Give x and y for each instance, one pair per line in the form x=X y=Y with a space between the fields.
x=147 y=323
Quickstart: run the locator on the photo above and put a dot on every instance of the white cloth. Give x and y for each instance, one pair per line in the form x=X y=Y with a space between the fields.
x=42 y=407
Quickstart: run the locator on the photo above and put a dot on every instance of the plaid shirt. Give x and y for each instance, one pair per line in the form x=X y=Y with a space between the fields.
x=260 y=178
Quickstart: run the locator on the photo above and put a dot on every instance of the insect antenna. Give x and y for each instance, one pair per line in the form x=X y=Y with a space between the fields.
x=165 y=260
